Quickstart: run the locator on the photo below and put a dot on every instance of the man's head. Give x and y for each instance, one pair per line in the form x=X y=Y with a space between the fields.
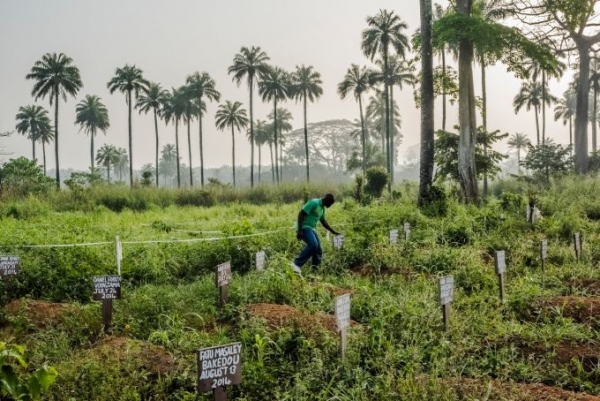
x=328 y=200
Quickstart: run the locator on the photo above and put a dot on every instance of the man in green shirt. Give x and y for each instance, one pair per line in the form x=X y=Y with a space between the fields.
x=312 y=212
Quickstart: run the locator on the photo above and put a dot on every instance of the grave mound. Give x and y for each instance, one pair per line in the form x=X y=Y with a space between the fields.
x=42 y=314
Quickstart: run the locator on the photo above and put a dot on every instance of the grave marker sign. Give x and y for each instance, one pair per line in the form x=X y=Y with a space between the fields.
x=107 y=288
x=393 y=237
x=500 y=262
x=406 y=230
x=342 y=320
x=577 y=244
x=222 y=280
x=260 y=260
x=219 y=367
x=446 y=287
x=338 y=241
x=544 y=253
x=9 y=266
x=119 y=254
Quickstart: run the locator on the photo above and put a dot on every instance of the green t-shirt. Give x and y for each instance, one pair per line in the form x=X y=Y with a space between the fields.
x=315 y=211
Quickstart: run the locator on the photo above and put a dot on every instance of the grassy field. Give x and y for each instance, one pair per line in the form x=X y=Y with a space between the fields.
x=542 y=343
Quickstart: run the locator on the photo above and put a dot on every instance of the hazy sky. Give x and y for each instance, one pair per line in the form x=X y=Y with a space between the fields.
x=169 y=40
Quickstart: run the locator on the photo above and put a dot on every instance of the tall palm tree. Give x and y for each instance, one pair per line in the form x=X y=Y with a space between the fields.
x=173 y=110
x=153 y=98
x=130 y=81
x=55 y=76
x=385 y=30
x=282 y=119
x=565 y=110
x=251 y=64
x=168 y=160
x=305 y=86
x=262 y=135
x=45 y=135
x=231 y=114
x=107 y=155
x=92 y=115
x=202 y=86
x=357 y=81
x=275 y=86
x=191 y=110
x=376 y=112
x=531 y=95
x=122 y=162
x=438 y=13
x=518 y=141
x=31 y=120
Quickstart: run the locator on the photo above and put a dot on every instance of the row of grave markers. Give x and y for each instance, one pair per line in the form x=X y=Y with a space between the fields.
x=220 y=366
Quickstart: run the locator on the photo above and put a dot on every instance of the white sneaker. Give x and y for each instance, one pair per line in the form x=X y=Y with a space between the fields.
x=296 y=269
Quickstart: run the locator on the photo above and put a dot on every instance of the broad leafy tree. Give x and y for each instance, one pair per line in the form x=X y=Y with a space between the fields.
x=306 y=86
x=92 y=116
x=55 y=76
x=200 y=87
x=250 y=63
x=275 y=86
x=130 y=81
x=153 y=98
x=548 y=160
x=231 y=114
x=357 y=81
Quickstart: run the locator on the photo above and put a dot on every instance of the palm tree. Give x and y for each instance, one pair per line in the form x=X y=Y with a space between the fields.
x=173 y=110
x=167 y=160
x=107 y=155
x=357 y=81
x=531 y=95
x=305 y=86
x=232 y=115
x=249 y=63
x=55 y=77
x=376 y=111
x=153 y=98
x=129 y=81
x=31 y=120
x=275 y=85
x=518 y=141
x=565 y=110
x=45 y=134
x=191 y=110
x=92 y=115
x=438 y=13
x=122 y=162
x=262 y=134
x=202 y=86
x=384 y=30
x=282 y=119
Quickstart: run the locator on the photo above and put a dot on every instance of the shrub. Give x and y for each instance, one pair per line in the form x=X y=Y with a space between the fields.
x=377 y=179
x=435 y=202
x=21 y=177
x=195 y=198
x=114 y=202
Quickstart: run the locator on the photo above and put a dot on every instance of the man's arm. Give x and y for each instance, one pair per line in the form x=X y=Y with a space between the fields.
x=301 y=217
x=328 y=227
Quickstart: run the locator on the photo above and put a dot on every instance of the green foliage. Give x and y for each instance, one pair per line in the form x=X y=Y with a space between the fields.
x=435 y=202
x=147 y=178
x=78 y=181
x=548 y=160
x=20 y=385
x=377 y=179
x=487 y=160
x=22 y=177
x=198 y=197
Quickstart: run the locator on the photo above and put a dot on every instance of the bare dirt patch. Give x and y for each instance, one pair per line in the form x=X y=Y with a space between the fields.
x=41 y=313
x=277 y=316
x=585 y=286
x=333 y=290
x=497 y=390
x=580 y=309
x=150 y=357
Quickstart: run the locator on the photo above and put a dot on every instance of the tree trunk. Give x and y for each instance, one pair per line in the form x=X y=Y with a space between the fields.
x=466 y=105
x=177 y=152
x=537 y=123
x=201 y=145
x=44 y=154
x=444 y=89
x=156 y=131
x=233 y=153
x=519 y=160
x=392 y=133
x=190 y=151
x=275 y=138
x=92 y=134
x=33 y=148
x=387 y=116
x=251 y=85
x=484 y=121
x=427 y=103
x=280 y=157
x=130 y=141
x=363 y=136
x=571 y=133
x=306 y=141
x=272 y=165
x=581 y=114
x=594 y=120
x=56 y=141
x=544 y=95
x=108 y=172
x=259 y=162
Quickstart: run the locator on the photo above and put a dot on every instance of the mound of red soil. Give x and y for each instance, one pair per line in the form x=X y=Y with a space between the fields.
x=580 y=309
x=587 y=286
x=41 y=313
x=497 y=390
x=151 y=358
x=277 y=316
x=333 y=290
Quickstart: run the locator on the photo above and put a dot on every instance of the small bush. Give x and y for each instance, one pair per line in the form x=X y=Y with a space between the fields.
x=435 y=202
x=377 y=179
x=195 y=198
x=114 y=202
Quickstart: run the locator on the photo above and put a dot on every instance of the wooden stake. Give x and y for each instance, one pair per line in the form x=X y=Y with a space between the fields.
x=107 y=307
x=343 y=343
x=219 y=394
x=501 y=285
x=223 y=295
x=446 y=313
